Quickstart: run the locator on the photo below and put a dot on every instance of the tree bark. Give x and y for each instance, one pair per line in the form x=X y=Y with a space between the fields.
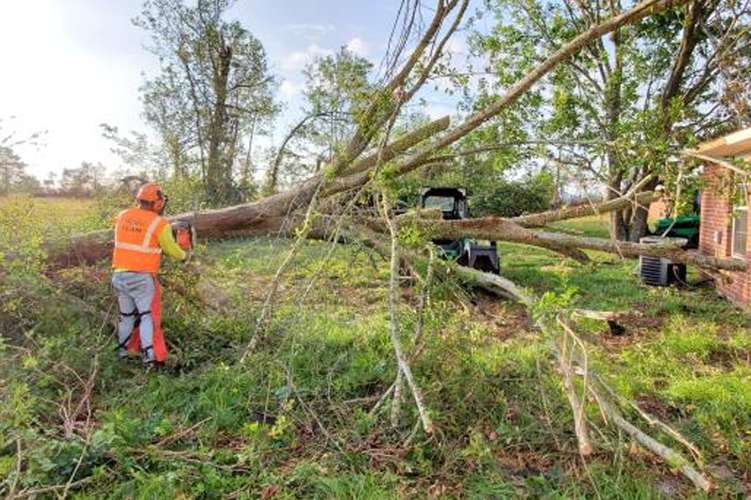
x=218 y=175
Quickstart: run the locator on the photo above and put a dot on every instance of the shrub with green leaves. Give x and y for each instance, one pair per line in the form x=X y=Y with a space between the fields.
x=512 y=198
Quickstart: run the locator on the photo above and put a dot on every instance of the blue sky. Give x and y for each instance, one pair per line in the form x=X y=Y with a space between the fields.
x=69 y=65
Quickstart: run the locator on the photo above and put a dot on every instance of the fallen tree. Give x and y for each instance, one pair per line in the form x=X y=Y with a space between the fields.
x=349 y=171
x=223 y=223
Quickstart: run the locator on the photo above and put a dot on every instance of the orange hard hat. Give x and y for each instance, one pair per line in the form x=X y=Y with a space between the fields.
x=151 y=191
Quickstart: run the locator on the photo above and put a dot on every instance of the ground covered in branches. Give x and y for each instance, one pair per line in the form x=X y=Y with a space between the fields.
x=295 y=419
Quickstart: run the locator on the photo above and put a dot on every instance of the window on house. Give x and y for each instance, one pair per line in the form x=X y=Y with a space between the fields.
x=740 y=222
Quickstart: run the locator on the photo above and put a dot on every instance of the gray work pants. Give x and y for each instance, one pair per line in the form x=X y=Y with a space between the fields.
x=135 y=292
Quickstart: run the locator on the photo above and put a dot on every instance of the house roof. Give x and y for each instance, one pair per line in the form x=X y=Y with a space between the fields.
x=735 y=144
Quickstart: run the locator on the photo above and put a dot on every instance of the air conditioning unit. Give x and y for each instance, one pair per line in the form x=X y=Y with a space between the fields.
x=659 y=271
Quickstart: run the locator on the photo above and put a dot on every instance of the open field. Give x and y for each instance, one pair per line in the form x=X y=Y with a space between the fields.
x=294 y=421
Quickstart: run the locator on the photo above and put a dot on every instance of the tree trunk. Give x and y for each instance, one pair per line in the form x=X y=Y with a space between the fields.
x=218 y=176
x=638 y=227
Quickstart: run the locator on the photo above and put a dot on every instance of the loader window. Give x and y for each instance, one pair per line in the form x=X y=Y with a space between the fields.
x=445 y=203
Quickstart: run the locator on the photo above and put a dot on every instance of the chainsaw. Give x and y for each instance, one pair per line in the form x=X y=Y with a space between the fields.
x=185 y=236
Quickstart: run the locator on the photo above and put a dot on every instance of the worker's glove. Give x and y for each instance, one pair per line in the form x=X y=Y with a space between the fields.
x=184 y=234
x=184 y=242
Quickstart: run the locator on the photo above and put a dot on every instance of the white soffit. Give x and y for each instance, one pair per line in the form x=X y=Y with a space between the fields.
x=734 y=144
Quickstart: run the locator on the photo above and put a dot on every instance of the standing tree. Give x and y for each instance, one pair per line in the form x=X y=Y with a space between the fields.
x=50 y=182
x=213 y=86
x=167 y=108
x=12 y=168
x=629 y=103
x=335 y=87
x=84 y=180
x=139 y=156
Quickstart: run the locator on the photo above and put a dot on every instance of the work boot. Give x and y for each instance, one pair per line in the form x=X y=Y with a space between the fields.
x=147 y=355
x=154 y=365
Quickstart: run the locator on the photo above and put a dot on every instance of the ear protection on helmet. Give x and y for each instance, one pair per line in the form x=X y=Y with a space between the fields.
x=161 y=203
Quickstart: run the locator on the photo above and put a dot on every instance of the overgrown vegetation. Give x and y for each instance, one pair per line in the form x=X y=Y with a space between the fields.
x=294 y=420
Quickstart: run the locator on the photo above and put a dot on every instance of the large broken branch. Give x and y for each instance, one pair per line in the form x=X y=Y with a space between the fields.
x=632 y=197
x=381 y=105
x=499 y=229
x=715 y=160
x=490 y=228
x=390 y=151
x=503 y=287
x=629 y=249
x=583 y=210
x=394 y=327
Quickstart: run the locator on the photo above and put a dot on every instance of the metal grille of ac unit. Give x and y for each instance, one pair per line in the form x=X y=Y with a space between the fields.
x=656 y=271
x=653 y=272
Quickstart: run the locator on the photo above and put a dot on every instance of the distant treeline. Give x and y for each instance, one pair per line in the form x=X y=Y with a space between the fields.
x=84 y=181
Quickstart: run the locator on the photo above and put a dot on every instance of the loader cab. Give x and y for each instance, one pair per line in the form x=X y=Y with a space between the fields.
x=451 y=201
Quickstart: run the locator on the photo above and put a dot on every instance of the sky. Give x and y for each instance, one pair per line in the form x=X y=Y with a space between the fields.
x=70 y=65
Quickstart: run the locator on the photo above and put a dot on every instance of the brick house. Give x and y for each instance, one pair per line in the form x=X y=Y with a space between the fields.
x=724 y=210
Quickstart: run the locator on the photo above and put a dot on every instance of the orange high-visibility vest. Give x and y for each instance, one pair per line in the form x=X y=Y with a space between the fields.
x=137 y=241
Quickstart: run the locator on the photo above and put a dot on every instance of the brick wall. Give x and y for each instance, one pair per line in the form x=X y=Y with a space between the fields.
x=658 y=209
x=715 y=236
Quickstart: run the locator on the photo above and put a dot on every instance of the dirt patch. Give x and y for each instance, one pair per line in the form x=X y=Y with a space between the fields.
x=653 y=406
x=671 y=487
x=641 y=322
x=632 y=327
x=502 y=318
x=728 y=358
x=525 y=463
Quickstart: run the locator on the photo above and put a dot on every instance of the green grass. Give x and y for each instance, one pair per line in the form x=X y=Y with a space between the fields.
x=593 y=225
x=504 y=426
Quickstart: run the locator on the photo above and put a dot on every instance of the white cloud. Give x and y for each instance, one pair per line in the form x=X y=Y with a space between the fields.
x=295 y=61
x=311 y=32
x=358 y=46
x=438 y=110
x=456 y=46
x=289 y=89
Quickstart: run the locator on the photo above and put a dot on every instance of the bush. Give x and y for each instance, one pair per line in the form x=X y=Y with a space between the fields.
x=510 y=199
x=185 y=195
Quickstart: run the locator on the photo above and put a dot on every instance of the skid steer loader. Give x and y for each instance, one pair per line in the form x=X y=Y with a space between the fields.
x=452 y=202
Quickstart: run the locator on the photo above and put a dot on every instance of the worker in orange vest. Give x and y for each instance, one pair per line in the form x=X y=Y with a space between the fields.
x=141 y=235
